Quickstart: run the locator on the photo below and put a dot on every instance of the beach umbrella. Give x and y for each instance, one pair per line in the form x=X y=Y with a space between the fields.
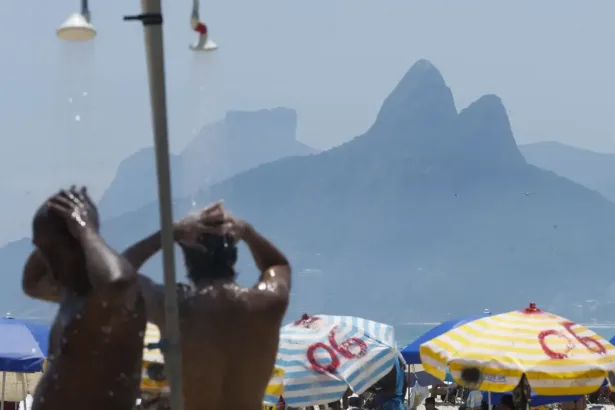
x=557 y=356
x=416 y=374
x=321 y=356
x=152 y=376
x=23 y=349
x=23 y=345
x=411 y=352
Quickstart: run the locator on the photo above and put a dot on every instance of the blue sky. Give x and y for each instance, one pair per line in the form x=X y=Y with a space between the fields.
x=334 y=61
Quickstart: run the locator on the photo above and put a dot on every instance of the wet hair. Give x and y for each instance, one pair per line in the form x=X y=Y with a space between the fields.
x=49 y=224
x=47 y=221
x=216 y=261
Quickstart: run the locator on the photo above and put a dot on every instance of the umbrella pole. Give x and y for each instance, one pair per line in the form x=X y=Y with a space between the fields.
x=154 y=47
x=3 y=390
x=24 y=388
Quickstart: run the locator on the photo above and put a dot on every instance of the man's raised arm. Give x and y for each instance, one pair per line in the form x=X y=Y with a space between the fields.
x=138 y=253
x=274 y=267
x=112 y=278
x=187 y=229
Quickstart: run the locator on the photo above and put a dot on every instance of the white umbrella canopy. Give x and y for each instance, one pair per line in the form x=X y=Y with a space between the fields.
x=321 y=356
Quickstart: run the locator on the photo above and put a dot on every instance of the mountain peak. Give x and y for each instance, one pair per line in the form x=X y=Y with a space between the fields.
x=419 y=125
x=485 y=134
x=421 y=97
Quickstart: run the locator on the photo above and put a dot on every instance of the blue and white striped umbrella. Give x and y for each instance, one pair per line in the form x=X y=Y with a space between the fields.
x=322 y=356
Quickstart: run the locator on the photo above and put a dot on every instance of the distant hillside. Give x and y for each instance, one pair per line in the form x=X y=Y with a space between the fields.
x=241 y=141
x=593 y=169
x=428 y=214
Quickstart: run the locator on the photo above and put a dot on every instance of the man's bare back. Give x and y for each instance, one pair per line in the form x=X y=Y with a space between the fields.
x=229 y=334
x=96 y=342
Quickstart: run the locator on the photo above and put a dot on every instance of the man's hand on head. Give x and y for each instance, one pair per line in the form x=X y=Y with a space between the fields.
x=211 y=220
x=234 y=227
x=208 y=220
x=77 y=209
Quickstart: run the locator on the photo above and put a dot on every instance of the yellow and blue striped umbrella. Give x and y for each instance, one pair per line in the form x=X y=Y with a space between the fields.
x=152 y=357
x=556 y=355
x=275 y=388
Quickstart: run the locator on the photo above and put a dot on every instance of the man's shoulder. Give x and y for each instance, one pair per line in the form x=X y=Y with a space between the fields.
x=268 y=299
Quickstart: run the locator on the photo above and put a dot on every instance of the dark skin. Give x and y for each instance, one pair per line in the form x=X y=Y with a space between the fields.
x=229 y=334
x=96 y=341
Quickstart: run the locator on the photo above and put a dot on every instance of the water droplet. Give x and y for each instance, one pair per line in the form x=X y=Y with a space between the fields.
x=77 y=117
x=41 y=399
x=106 y=329
x=85 y=93
x=78 y=316
x=105 y=303
x=110 y=393
x=141 y=334
x=70 y=100
x=193 y=203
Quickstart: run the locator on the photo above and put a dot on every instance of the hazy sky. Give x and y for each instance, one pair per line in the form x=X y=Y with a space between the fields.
x=333 y=61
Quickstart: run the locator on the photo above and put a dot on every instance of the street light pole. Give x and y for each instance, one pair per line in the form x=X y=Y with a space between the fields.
x=151 y=18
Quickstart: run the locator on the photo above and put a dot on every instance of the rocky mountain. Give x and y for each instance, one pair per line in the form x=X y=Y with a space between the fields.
x=243 y=140
x=430 y=213
x=595 y=170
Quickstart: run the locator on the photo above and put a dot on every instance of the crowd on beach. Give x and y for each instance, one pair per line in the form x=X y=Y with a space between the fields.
x=452 y=397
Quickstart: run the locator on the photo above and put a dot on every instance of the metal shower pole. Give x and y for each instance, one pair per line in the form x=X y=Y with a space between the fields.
x=151 y=18
x=85 y=10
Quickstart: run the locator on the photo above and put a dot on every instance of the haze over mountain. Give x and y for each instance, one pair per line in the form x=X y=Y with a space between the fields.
x=595 y=170
x=243 y=140
x=429 y=212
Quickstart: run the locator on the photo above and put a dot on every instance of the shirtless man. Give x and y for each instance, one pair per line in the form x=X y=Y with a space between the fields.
x=229 y=334
x=96 y=341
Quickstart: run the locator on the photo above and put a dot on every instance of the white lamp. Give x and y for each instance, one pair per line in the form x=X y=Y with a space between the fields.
x=77 y=26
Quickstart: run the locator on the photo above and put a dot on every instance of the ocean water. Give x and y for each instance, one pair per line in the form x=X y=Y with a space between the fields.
x=407 y=333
